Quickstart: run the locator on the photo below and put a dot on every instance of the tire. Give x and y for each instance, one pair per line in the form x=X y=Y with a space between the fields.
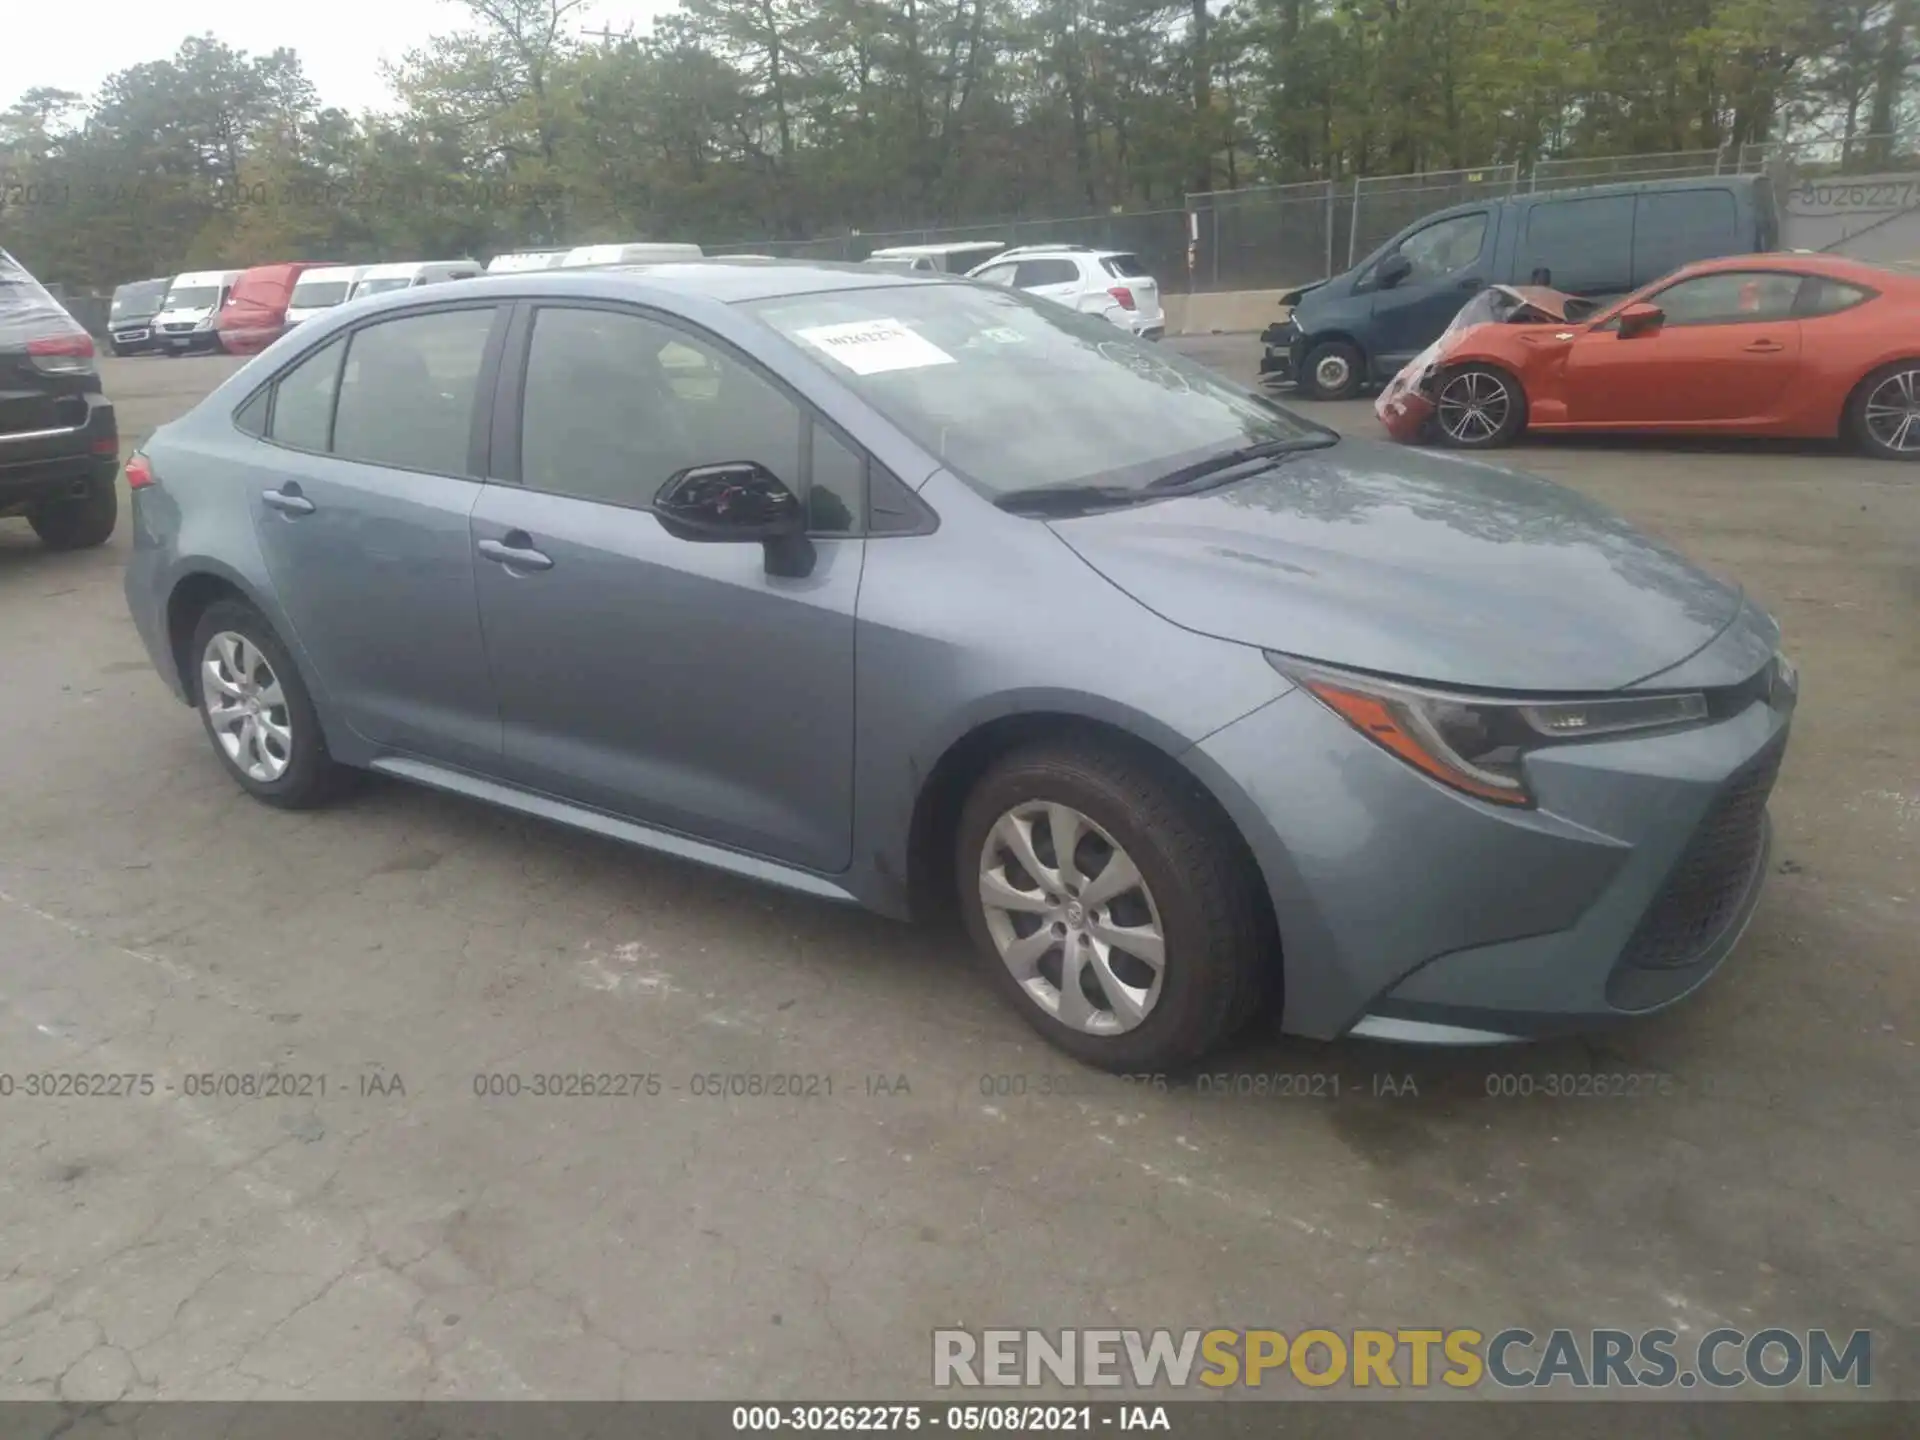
x=1220 y=960
x=1495 y=414
x=1895 y=387
x=1333 y=370
x=309 y=776
x=82 y=522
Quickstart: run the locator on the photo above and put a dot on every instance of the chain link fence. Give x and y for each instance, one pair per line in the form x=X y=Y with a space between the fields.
x=1274 y=236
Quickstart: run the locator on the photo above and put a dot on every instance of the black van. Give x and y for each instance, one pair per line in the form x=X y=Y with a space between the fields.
x=1609 y=240
x=130 y=317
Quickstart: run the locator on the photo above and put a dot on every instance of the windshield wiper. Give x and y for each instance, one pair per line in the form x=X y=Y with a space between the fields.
x=1067 y=499
x=1186 y=476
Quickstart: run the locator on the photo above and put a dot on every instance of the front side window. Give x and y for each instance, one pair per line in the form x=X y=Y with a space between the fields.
x=1446 y=246
x=408 y=390
x=1014 y=393
x=303 y=399
x=1728 y=297
x=616 y=404
x=997 y=275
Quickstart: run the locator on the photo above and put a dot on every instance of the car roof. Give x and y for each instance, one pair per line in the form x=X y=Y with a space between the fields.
x=952 y=247
x=1794 y=262
x=731 y=281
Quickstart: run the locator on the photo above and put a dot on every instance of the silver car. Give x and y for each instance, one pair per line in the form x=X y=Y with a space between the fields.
x=900 y=591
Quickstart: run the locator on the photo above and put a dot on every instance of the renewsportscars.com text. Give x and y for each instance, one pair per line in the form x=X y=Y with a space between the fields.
x=1412 y=1359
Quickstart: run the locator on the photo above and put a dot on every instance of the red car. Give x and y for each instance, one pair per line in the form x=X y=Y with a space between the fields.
x=255 y=314
x=1814 y=346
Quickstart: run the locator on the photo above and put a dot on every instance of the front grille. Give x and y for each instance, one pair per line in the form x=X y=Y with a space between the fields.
x=180 y=327
x=1711 y=878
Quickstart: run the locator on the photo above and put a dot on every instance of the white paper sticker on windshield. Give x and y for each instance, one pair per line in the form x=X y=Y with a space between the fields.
x=869 y=347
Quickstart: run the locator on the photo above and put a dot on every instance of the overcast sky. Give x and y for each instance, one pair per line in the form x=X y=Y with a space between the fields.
x=340 y=43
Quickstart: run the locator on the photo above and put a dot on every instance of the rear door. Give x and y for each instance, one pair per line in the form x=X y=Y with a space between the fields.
x=1672 y=228
x=1583 y=244
x=1451 y=258
x=1055 y=277
x=1726 y=354
x=361 y=495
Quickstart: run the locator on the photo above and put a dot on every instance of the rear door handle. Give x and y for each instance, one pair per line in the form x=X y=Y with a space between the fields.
x=288 y=501
x=515 y=557
x=1764 y=347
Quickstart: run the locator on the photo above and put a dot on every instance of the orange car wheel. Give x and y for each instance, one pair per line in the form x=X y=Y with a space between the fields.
x=1478 y=407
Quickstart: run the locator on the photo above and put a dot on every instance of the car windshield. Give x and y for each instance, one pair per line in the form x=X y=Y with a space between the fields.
x=317 y=294
x=1015 y=394
x=381 y=287
x=142 y=299
x=192 y=297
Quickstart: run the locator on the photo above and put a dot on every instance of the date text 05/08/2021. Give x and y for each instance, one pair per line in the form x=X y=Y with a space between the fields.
x=1001 y=1419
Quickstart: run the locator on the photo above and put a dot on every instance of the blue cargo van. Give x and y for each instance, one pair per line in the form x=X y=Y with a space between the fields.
x=1365 y=324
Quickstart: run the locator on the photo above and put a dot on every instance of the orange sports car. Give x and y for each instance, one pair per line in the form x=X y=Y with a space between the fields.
x=1789 y=344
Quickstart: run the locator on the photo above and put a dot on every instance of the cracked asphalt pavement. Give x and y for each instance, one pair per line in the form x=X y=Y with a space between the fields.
x=377 y=1229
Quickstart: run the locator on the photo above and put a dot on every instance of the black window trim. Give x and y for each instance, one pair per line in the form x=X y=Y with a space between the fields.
x=1790 y=315
x=509 y=396
x=484 y=384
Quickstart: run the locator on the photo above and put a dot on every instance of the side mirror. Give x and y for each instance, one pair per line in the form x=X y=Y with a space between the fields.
x=1641 y=319
x=1392 y=270
x=738 y=500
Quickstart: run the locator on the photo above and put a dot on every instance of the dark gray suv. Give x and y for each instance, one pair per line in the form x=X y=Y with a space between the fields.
x=888 y=590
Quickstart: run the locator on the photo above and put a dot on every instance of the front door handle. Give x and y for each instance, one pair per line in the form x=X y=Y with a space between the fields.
x=288 y=501
x=1765 y=347
x=515 y=557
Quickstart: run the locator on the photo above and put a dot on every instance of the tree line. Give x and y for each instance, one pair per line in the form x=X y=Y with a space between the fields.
x=784 y=119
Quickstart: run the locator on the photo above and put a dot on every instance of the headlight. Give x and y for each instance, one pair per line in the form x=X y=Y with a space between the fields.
x=1476 y=743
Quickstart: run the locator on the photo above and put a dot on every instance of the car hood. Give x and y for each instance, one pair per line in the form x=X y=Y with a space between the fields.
x=1428 y=567
x=1294 y=296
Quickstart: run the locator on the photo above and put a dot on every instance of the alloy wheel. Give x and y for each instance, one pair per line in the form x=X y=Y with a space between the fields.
x=245 y=706
x=1893 y=411
x=1473 y=406
x=1072 y=918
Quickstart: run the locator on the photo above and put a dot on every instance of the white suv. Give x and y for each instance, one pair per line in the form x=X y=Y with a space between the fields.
x=1112 y=283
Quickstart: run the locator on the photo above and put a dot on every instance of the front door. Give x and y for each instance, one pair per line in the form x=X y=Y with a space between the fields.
x=671 y=681
x=1726 y=352
x=361 y=506
x=1450 y=260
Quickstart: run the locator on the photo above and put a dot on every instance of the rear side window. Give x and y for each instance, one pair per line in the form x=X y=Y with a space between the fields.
x=251 y=418
x=1585 y=245
x=1045 y=272
x=1673 y=227
x=408 y=389
x=1821 y=296
x=303 y=399
x=1126 y=267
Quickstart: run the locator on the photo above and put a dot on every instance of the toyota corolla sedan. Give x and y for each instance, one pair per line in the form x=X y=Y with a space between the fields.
x=900 y=592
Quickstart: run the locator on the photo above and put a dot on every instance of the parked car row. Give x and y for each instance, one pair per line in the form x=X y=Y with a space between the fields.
x=1110 y=283
x=244 y=311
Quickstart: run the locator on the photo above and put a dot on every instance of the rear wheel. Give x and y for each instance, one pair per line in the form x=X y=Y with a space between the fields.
x=1112 y=908
x=79 y=522
x=1883 y=417
x=257 y=710
x=1479 y=407
x=1333 y=371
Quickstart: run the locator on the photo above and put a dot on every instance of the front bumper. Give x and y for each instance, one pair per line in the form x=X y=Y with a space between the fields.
x=1410 y=911
x=189 y=342
x=1277 y=362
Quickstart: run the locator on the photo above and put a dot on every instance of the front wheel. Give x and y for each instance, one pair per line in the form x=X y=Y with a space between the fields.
x=1479 y=407
x=1883 y=417
x=1112 y=907
x=1334 y=370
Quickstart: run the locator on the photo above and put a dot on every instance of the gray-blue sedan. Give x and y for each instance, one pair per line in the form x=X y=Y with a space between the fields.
x=898 y=591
